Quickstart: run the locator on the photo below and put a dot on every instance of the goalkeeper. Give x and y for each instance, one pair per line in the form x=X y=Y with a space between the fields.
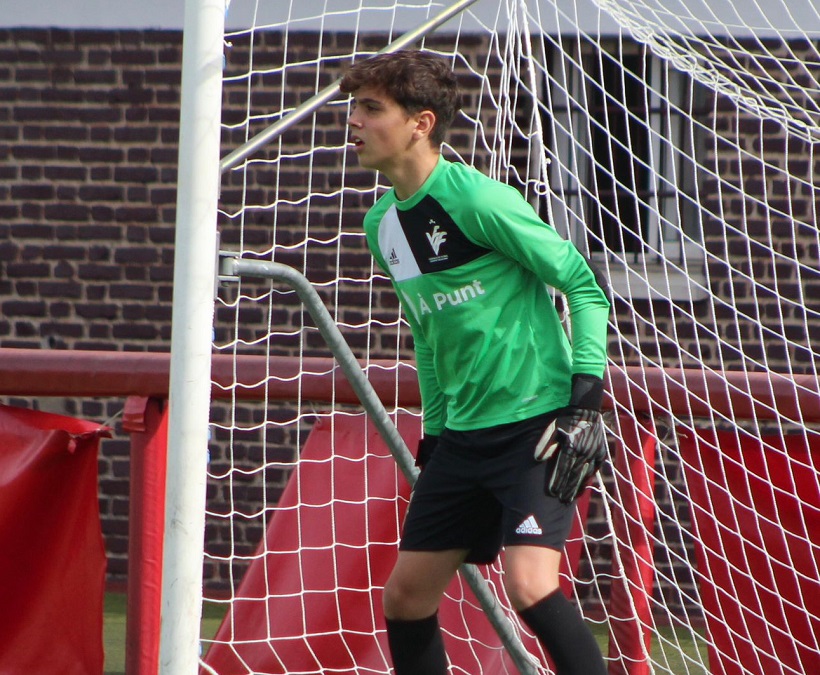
x=512 y=428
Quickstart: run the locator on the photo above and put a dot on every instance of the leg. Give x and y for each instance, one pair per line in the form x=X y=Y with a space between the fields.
x=530 y=573
x=532 y=584
x=411 y=598
x=417 y=582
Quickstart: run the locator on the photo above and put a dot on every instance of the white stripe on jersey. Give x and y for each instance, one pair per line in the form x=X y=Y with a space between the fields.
x=395 y=249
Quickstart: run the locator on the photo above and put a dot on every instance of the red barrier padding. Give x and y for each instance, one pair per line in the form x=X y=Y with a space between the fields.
x=756 y=510
x=52 y=557
x=633 y=572
x=147 y=421
x=312 y=601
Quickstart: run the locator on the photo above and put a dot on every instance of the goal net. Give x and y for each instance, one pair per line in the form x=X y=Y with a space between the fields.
x=675 y=142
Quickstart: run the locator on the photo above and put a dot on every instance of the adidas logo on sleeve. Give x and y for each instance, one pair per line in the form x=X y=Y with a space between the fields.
x=529 y=526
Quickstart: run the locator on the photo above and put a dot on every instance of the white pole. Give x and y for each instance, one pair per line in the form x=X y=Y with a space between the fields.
x=192 y=326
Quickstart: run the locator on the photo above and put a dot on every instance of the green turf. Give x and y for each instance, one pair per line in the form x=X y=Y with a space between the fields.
x=114 y=629
x=114 y=633
x=674 y=652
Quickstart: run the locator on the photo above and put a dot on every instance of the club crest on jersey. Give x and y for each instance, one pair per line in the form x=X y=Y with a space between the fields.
x=436 y=238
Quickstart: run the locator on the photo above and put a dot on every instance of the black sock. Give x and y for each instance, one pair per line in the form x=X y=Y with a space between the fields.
x=565 y=636
x=416 y=646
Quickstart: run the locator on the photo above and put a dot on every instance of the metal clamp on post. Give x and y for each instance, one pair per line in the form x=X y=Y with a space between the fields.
x=226 y=266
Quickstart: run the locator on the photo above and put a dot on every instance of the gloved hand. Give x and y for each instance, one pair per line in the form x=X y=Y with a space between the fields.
x=574 y=441
x=427 y=444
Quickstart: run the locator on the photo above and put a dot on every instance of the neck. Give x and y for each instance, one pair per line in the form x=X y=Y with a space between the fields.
x=408 y=179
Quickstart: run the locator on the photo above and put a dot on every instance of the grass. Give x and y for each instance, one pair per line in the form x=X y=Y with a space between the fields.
x=114 y=629
x=114 y=633
x=674 y=652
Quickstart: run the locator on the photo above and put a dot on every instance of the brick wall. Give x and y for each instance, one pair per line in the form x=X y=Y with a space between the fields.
x=88 y=152
x=88 y=125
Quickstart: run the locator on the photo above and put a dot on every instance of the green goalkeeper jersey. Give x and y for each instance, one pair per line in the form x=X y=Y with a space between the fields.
x=471 y=262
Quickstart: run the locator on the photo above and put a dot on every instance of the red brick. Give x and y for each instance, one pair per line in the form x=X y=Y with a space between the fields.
x=33 y=308
x=131 y=292
x=28 y=270
x=32 y=192
x=90 y=272
x=68 y=212
x=60 y=289
x=101 y=193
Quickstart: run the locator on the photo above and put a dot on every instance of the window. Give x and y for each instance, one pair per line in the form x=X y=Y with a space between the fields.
x=624 y=133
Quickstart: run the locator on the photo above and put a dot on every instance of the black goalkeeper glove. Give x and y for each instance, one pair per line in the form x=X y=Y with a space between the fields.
x=574 y=441
x=425 y=449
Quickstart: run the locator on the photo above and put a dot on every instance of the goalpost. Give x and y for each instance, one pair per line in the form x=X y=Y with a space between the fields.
x=675 y=143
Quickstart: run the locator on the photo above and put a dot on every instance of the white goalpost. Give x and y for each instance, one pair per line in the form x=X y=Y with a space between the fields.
x=192 y=320
x=675 y=143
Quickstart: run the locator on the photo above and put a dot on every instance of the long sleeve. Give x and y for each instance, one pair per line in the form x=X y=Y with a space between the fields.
x=433 y=400
x=518 y=233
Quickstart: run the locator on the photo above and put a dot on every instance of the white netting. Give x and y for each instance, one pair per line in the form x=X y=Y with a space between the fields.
x=675 y=143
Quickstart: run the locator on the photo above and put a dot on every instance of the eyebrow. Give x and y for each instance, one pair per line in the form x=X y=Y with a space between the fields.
x=368 y=100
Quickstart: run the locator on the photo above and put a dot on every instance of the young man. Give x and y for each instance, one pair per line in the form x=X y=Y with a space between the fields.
x=512 y=428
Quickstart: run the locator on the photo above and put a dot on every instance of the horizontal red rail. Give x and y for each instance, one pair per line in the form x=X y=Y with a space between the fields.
x=32 y=372
x=696 y=392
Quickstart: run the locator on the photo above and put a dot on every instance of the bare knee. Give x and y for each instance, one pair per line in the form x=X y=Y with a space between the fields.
x=530 y=575
x=524 y=590
x=405 y=599
x=417 y=583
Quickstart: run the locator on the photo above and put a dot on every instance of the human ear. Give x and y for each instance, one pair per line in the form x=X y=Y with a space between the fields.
x=425 y=121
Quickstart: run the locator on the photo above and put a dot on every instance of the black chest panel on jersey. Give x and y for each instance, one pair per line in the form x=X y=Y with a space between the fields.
x=436 y=241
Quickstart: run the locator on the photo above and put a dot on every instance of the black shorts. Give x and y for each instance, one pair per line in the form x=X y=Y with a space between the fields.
x=482 y=490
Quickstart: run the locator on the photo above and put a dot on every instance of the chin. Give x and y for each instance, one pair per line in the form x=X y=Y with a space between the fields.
x=367 y=164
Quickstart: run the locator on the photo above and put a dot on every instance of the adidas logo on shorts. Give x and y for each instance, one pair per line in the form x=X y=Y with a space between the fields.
x=529 y=526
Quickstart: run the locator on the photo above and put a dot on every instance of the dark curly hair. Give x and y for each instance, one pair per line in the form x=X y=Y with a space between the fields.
x=416 y=80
